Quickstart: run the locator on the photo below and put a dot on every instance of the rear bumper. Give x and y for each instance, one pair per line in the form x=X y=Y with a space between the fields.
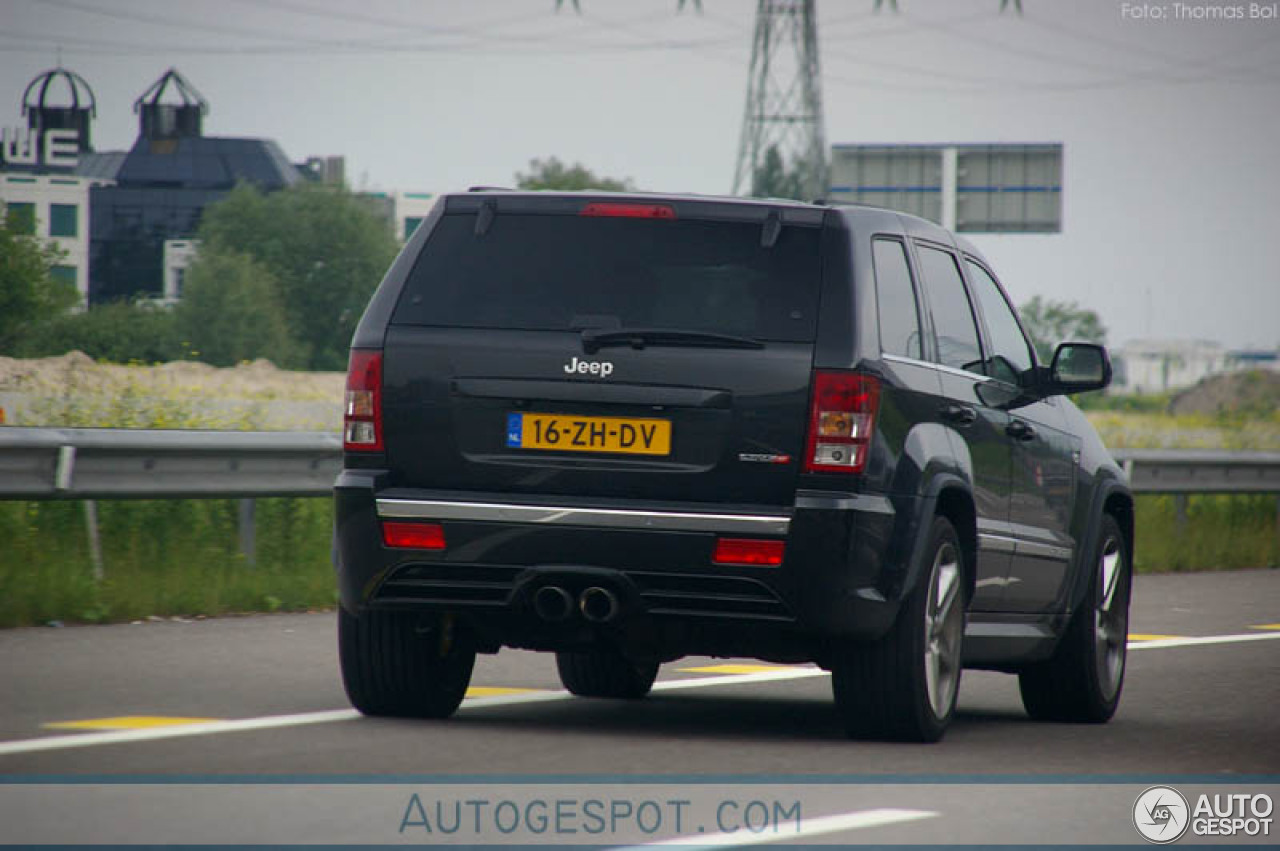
x=834 y=580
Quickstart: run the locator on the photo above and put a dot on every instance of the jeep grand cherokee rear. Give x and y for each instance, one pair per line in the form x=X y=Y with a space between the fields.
x=627 y=429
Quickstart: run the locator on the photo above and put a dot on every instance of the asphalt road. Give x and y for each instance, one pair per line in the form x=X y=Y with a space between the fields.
x=1189 y=709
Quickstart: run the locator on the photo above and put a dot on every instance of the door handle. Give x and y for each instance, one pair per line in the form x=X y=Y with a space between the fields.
x=959 y=414
x=1020 y=429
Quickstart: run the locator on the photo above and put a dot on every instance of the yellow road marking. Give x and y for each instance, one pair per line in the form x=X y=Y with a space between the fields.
x=1266 y=626
x=734 y=669
x=1143 y=636
x=496 y=691
x=126 y=722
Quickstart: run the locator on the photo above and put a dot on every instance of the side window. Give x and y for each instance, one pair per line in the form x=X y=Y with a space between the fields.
x=896 y=297
x=953 y=320
x=1012 y=355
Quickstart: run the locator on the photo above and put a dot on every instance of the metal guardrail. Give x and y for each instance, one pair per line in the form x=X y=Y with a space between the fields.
x=92 y=463
x=1187 y=471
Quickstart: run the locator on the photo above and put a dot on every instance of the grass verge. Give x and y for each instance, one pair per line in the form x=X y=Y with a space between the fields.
x=161 y=557
x=1220 y=532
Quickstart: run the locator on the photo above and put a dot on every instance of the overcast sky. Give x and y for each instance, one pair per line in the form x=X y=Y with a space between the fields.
x=1171 y=126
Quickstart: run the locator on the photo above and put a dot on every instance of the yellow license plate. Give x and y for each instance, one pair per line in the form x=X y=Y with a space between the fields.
x=567 y=433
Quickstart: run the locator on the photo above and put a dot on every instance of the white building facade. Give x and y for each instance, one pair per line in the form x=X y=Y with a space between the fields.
x=1161 y=366
x=55 y=207
x=40 y=187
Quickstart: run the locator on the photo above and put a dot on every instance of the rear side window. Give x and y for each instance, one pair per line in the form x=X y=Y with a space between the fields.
x=952 y=314
x=896 y=299
x=556 y=273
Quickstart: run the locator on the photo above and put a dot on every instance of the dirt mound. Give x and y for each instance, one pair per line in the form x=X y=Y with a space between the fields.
x=1253 y=392
x=258 y=379
x=73 y=391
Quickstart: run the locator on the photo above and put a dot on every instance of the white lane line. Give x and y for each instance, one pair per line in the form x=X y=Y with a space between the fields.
x=734 y=679
x=1204 y=639
x=84 y=740
x=53 y=743
x=814 y=827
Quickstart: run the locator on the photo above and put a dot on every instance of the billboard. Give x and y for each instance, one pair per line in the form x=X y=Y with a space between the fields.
x=995 y=188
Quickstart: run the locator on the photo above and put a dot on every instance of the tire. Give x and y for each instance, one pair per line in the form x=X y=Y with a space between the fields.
x=392 y=665
x=1082 y=681
x=605 y=673
x=904 y=685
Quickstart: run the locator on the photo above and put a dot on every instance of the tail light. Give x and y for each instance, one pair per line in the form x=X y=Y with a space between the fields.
x=413 y=536
x=842 y=418
x=362 y=417
x=748 y=551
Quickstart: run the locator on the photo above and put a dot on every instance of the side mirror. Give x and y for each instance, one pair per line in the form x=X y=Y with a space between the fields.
x=1078 y=368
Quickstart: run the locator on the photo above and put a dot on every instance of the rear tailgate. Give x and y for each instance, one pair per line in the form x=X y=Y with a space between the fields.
x=497 y=377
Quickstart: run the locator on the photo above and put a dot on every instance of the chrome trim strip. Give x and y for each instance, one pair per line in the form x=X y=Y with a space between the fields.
x=963 y=373
x=1036 y=550
x=671 y=521
x=996 y=543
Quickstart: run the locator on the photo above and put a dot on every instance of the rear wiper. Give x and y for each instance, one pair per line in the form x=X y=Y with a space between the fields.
x=638 y=338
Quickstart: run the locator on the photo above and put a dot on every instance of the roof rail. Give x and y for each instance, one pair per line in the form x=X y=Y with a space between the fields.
x=490 y=189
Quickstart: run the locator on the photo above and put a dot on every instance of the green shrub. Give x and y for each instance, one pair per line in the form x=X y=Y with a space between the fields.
x=119 y=332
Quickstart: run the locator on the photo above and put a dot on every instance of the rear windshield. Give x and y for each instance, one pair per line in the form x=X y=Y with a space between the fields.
x=555 y=273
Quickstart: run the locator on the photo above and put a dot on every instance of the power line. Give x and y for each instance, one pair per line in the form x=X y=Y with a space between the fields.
x=119 y=14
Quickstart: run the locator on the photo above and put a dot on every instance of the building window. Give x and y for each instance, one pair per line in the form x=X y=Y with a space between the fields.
x=410 y=225
x=63 y=274
x=62 y=220
x=22 y=215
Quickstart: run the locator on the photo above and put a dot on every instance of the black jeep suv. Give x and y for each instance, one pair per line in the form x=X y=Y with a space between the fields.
x=629 y=428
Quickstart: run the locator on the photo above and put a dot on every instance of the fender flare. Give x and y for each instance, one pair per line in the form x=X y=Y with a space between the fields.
x=946 y=480
x=1102 y=492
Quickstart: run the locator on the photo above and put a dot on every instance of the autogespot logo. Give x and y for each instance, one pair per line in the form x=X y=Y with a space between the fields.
x=1161 y=814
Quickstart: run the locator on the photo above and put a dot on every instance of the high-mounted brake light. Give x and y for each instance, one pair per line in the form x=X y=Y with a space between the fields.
x=629 y=211
x=362 y=416
x=748 y=551
x=842 y=418
x=413 y=536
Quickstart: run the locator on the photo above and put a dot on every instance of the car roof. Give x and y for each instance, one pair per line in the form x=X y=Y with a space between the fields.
x=866 y=215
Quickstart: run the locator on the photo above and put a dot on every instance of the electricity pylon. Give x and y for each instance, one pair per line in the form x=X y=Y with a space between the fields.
x=784 y=102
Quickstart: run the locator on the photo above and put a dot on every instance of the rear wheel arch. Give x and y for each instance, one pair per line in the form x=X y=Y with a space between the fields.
x=946 y=493
x=956 y=504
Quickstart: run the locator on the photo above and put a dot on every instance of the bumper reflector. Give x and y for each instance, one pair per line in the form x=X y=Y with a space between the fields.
x=746 y=551
x=413 y=536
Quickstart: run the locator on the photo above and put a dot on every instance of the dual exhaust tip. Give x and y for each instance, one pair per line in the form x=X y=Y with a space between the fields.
x=554 y=604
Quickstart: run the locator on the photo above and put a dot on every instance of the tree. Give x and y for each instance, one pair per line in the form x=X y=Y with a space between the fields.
x=230 y=312
x=324 y=248
x=773 y=179
x=553 y=174
x=1052 y=322
x=28 y=293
